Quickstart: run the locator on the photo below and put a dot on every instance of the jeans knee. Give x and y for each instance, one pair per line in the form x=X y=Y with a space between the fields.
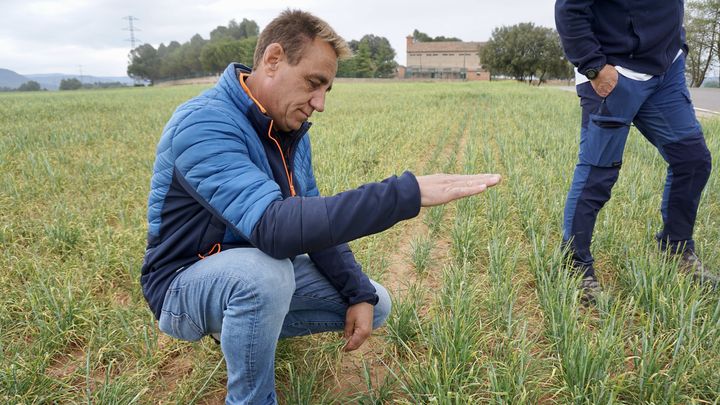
x=383 y=306
x=276 y=285
x=267 y=282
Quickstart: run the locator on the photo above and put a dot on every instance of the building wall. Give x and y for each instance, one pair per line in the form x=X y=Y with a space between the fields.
x=444 y=60
x=440 y=60
x=478 y=75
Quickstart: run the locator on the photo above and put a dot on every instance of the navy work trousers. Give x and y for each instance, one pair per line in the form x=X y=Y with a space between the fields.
x=661 y=109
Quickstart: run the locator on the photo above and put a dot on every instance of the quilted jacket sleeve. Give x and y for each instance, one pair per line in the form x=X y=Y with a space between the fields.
x=214 y=160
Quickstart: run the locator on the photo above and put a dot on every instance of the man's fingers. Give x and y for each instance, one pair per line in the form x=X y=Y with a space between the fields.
x=483 y=178
x=466 y=191
x=356 y=340
x=491 y=179
x=442 y=188
x=472 y=184
x=349 y=327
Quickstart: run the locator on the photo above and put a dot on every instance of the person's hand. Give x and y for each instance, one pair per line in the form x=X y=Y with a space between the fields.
x=605 y=81
x=437 y=189
x=358 y=325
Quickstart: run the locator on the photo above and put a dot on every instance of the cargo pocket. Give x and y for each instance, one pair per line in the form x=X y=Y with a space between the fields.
x=179 y=326
x=604 y=140
x=686 y=95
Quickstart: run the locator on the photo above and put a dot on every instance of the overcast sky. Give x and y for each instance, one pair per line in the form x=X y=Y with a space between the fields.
x=74 y=36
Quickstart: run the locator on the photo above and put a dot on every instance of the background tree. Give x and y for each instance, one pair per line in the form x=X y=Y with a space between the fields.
x=170 y=61
x=198 y=56
x=216 y=55
x=702 y=27
x=31 y=85
x=144 y=63
x=190 y=56
x=373 y=56
x=70 y=84
x=423 y=37
x=525 y=51
x=364 y=66
x=551 y=58
x=246 y=29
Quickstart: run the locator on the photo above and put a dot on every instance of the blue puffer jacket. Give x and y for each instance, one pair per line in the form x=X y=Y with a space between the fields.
x=642 y=35
x=224 y=178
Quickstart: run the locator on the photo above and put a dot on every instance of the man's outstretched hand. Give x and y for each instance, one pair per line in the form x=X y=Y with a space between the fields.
x=437 y=189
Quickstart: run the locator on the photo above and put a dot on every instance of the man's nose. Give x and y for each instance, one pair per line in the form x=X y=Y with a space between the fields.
x=317 y=102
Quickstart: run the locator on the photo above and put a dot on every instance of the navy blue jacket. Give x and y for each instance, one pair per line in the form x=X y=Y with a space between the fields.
x=225 y=178
x=642 y=35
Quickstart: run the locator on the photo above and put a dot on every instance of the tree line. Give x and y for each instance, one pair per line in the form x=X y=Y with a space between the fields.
x=65 y=84
x=196 y=57
x=372 y=55
x=30 y=85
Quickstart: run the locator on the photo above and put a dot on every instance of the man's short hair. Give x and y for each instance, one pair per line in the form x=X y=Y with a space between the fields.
x=293 y=29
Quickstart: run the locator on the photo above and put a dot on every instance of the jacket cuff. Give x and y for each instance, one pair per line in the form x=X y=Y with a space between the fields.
x=409 y=196
x=595 y=62
x=371 y=299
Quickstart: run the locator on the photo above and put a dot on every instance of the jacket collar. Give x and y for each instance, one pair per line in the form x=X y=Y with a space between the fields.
x=230 y=84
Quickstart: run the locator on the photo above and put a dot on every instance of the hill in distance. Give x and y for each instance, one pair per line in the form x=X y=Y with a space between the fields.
x=11 y=79
x=51 y=81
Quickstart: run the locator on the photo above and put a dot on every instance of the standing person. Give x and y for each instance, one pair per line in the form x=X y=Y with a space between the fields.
x=630 y=69
x=240 y=244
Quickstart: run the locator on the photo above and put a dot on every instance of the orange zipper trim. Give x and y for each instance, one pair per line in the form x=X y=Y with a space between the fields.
x=282 y=155
x=242 y=77
x=288 y=173
x=215 y=249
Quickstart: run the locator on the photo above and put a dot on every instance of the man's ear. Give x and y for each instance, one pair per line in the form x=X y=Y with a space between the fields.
x=273 y=55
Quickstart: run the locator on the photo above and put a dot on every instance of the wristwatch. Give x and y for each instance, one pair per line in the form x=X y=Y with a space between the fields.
x=592 y=73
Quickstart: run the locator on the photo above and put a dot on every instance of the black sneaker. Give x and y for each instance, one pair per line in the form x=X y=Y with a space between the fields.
x=691 y=265
x=590 y=288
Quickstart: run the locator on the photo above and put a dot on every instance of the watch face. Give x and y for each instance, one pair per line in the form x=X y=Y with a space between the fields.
x=591 y=74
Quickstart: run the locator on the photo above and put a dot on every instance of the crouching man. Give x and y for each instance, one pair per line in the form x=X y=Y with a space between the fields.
x=241 y=245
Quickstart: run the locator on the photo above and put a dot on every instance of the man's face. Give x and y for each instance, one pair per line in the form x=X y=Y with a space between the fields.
x=299 y=90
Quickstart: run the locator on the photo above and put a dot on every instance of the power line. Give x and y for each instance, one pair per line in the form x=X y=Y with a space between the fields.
x=131 y=27
x=133 y=39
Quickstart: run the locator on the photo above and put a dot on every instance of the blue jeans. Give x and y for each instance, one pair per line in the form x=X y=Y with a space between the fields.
x=252 y=300
x=662 y=111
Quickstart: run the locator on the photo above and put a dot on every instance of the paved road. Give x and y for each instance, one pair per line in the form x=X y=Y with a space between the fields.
x=706 y=101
